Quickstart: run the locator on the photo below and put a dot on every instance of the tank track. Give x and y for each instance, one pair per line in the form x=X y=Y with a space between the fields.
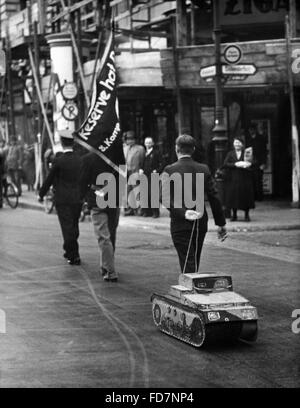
x=179 y=321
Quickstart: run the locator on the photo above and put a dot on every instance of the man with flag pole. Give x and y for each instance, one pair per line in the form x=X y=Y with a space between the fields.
x=101 y=135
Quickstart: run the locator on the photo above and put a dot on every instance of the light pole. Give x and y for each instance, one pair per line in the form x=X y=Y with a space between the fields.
x=219 y=131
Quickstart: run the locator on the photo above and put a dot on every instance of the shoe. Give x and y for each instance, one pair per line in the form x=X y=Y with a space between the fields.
x=74 y=261
x=233 y=219
x=247 y=218
x=107 y=278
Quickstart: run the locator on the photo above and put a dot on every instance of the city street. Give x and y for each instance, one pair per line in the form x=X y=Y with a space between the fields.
x=65 y=327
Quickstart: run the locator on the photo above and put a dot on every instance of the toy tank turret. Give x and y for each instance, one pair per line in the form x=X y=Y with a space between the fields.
x=203 y=309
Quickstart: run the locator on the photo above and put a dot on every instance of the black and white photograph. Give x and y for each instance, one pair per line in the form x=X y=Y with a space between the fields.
x=149 y=197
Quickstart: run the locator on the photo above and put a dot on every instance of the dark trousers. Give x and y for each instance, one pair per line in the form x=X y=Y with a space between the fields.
x=68 y=216
x=181 y=240
x=146 y=206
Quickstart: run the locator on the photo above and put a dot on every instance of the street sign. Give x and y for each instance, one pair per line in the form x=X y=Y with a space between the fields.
x=233 y=54
x=208 y=72
x=69 y=90
x=2 y=62
x=235 y=70
x=245 y=69
x=70 y=111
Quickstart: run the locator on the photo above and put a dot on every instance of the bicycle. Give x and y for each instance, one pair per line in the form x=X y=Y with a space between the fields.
x=10 y=194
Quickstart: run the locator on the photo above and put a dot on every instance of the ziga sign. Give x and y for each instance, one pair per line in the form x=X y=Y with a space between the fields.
x=237 y=12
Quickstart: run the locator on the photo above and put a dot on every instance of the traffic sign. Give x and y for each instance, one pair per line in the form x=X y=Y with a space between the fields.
x=233 y=54
x=245 y=69
x=208 y=72
x=235 y=70
x=69 y=90
x=70 y=111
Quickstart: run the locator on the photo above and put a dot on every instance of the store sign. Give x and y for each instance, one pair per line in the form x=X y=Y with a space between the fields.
x=238 y=12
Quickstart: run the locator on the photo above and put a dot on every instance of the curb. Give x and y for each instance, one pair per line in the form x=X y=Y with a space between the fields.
x=242 y=228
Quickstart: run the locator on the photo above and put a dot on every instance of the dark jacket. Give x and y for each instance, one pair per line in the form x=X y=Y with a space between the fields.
x=239 y=184
x=187 y=165
x=91 y=166
x=153 y=162
x=64 y=176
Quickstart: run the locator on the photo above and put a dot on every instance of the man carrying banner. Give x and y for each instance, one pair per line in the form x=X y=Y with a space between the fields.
x=63 y=176
x=101 y=135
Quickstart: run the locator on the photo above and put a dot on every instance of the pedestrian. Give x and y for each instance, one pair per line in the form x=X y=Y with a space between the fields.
x=152 y=164
x=189 y=226
x=258 y=141
x=105 y=220
x=14 y=163
x=64 y=177
x=239 y=181
x=134 y=157
x=29 y=166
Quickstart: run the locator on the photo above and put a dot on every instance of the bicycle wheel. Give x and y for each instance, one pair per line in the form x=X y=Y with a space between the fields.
x=49 y=203
x=11 y=195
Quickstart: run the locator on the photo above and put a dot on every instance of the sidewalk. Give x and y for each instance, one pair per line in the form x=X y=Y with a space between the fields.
x=267 y=216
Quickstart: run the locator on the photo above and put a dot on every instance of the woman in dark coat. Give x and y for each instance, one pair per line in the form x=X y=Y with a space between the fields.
x=239 y=194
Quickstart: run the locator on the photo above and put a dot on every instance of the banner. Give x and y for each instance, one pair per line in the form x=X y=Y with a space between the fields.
x=101 y=132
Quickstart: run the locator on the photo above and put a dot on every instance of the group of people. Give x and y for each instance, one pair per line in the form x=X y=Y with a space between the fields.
x=244 y=167
x=75 y=178
x=17 y=162
x=140 y=160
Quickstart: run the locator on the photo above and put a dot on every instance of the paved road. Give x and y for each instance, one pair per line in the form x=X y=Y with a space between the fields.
x=67 y=328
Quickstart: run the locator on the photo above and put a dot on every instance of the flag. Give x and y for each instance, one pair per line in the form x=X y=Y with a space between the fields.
x=101 y=132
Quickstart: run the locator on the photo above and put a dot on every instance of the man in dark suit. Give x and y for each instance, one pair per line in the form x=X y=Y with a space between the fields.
x=64 y=177
x=152 y=164
x=188 y=222
x=105 y=219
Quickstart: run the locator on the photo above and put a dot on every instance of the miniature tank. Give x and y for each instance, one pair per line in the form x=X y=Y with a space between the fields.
x=203 y=309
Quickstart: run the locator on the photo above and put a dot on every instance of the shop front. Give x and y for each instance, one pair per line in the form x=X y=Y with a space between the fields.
x=257 y=96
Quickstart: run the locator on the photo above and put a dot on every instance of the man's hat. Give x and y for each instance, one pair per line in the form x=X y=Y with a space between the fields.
x=67 y=134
